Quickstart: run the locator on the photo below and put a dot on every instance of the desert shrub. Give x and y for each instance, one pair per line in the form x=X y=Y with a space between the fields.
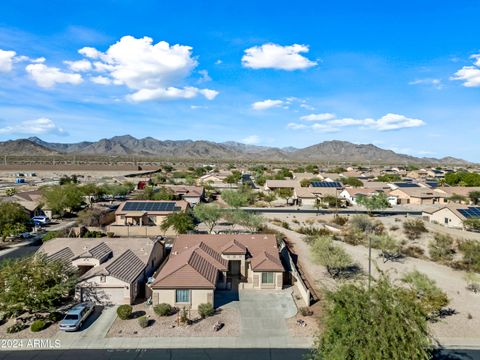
x=314 y=231
x=441 y=248
x=389 y=247
x=52 y=235
x=338 y=262
x=365 y=224
x=206 y=310
x=162 y=309
x=110 y=234
x=470 y=250
x=394 y=228
x=305 y=311
x=124 y=312
x=93 y=234
x=285 y=225
x=184 y=316
x=55 y=316
x=431 y=298
x=354 y=236
x=413 y=251
x=473 y=282
x=17 y=327
x=38 y=325
x=414 y=228
x=143 y=321
x=340 y=220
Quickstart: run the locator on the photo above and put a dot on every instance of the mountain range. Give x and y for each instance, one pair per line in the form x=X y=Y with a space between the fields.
x=334 y=151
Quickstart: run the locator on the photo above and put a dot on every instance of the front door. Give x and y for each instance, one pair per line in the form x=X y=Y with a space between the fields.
x=234 y=267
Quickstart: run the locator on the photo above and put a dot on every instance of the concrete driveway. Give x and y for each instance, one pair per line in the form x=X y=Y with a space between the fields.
x=263 y=313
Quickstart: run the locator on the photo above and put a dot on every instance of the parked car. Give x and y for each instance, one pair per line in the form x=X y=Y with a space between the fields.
x=76 y=316
x=40 y=220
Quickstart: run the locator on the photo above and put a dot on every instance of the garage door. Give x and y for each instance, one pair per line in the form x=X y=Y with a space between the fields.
x=106 y=296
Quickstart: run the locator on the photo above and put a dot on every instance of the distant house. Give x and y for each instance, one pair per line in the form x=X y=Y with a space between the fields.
x=191 y=194
x=353 y=194
x=281 y=184
x=451 y=215
x=214 y=177
x=417 y=196
x=464 y=191
x=32 y=201
x=112 y=270
x=200 y=265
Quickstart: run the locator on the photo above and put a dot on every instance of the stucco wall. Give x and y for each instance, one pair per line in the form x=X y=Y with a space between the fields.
x=441 y=215
x=197 y=297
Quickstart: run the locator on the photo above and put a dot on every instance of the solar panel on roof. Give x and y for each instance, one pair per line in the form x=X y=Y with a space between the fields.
x=329 y=184
x=470 y=212
x=406 y=185
x=148 y=206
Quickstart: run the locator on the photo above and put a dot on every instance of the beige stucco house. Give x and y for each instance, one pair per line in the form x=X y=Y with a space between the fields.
x=111 y=270
x=201 y=264
x=449 y=215
x=417 y=196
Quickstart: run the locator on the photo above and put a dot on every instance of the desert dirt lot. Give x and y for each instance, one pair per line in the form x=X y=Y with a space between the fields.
x=168 y=327
x=462 y=328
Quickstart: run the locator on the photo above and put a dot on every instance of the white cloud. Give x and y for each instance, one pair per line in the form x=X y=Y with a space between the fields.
x=6 y=60
x=385 y=123
x=205 y=77
x=251 y=140
x=80 y=65
x=34 y=127
x=90 y=52
x=101 y=80
x=296 y=126
x=396 y=122
x=436 y=83
x=274 y=56
x=218 y=62
x=470 y=75
x=48 y=77
x=266 y=104
x=171 y=93
x=318 y=117
x=155 y=71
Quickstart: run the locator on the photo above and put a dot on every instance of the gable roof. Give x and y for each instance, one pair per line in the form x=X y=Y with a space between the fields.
x=266 y=262
x=127 y=267
x=234 y=247
x=65 y=254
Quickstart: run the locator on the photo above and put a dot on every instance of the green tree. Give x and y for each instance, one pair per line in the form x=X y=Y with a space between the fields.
x=284 y=193
x=455 y=198
x=208 y=214
x=233 y=178
x=352 y=181
x=337 y=261
x=470 y=250
x=424 y=290
x=235 y=198
x=13 y=219
x=474 y=197
x=388 y=178
x=376 y=324
x=33 y=284
x=181 y=222
x=311 y=169
x=472 y=224
x=462 y=178
x=243 y=218
x=374 y=202
x=389 y=247
x=10 y=191
x=60 y=198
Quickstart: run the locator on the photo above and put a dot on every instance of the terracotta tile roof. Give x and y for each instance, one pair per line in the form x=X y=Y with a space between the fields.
x=266 y=262
x=234 y=247
x=186 y=190
x=282 y=183
x=195 y=259
x=126 y=267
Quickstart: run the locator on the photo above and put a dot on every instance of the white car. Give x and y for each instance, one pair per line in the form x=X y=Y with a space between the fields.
x=41 y=220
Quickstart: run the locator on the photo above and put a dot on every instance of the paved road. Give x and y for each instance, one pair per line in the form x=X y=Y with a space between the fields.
x=193 y=354
x=294 y=211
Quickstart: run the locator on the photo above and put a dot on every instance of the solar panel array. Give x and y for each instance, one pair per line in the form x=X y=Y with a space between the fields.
x=432 y=184
x=325 y=184
x=407 y=185
x=149 y=206
x=470 y=212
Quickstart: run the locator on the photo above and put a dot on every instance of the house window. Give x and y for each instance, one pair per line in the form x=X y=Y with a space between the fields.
x=182 y=296
x=267 y=278
x=103 y=279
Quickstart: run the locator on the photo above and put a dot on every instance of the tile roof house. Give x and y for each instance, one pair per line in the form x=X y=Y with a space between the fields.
x=200 y=264
x=192 y=194
x=144 y=217
x=352 y=194
x=449 y=215
x=281 y=184
x=417 y=196
x=111 y=270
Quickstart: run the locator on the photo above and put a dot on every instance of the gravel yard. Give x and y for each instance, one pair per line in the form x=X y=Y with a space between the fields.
x=167 y=326
x=49 y=332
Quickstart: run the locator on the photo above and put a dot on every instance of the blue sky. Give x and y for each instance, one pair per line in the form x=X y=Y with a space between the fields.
x=401 y=75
